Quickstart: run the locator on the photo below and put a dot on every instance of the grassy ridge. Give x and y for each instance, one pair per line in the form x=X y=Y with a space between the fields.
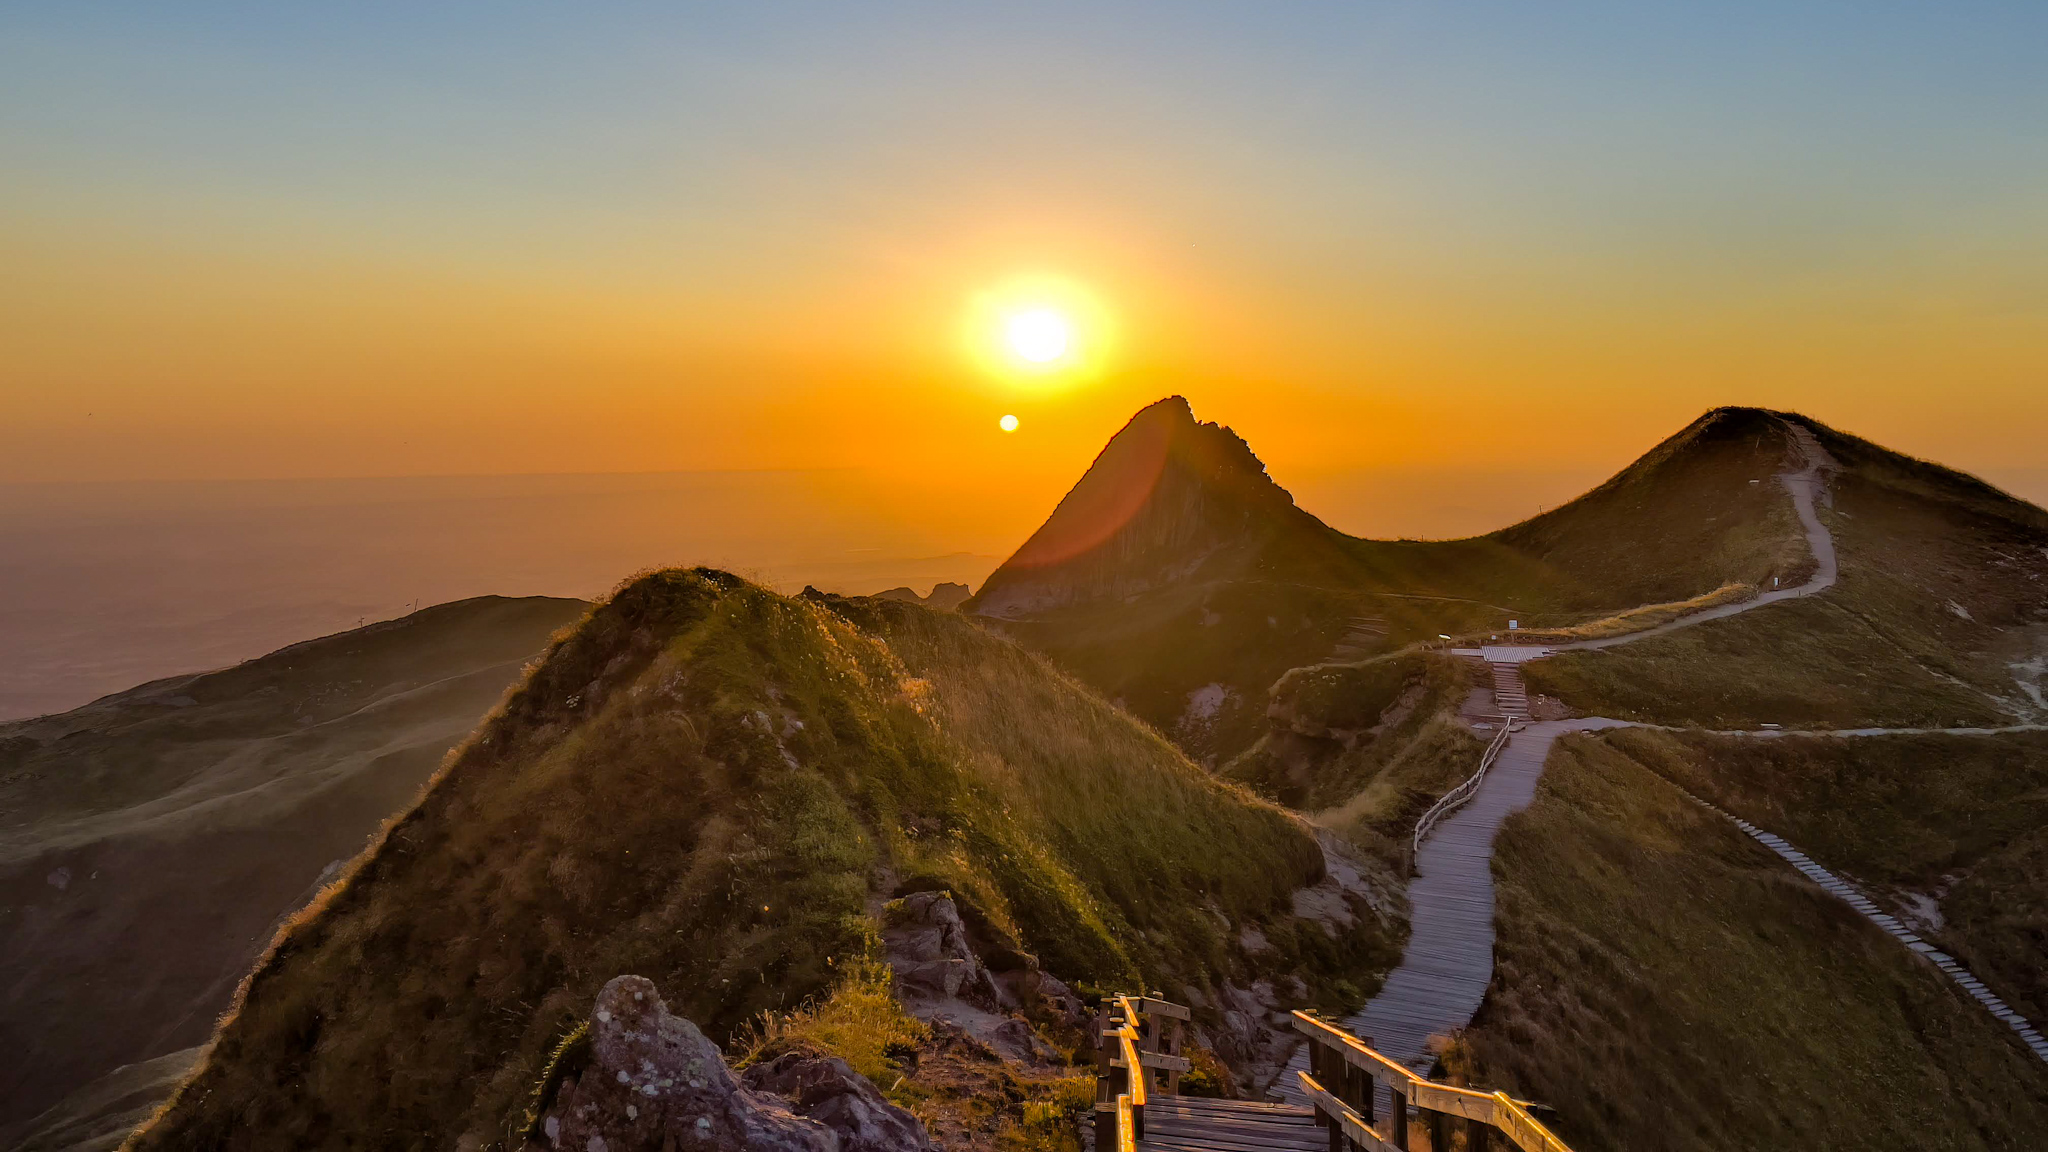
x=1962 y=816
x=1682 y=524
x=1939 y=594
x=709 y=785
x=1666 y=983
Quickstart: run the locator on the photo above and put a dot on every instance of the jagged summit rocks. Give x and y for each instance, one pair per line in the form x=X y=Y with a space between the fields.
x=1167 y=495
x=653 y=1082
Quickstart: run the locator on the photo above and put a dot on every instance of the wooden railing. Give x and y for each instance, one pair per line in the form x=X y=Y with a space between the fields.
x=1138 y=1041
x=1456 y=797
x=1343 y=1071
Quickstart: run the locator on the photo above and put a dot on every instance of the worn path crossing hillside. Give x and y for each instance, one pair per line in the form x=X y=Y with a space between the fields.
x=1448 y=963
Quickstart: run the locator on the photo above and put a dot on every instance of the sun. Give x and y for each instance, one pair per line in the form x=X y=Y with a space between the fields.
x=1039 y=335
x=1041 y=332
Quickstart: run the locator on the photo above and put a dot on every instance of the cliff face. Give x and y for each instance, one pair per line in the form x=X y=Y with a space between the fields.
x=1169 y=498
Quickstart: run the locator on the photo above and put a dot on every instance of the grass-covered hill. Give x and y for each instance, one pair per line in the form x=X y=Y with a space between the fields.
x=716 y=787
x=1366 y=746
x=1666 y=982
x=1213 y=584
x=150 y=841
x=1939 y=619
x=1949 y=829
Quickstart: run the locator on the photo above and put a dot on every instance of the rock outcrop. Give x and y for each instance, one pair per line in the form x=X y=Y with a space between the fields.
x=827 y=1090
x=928 y=948
x=654 y=1083
x=1167 y=497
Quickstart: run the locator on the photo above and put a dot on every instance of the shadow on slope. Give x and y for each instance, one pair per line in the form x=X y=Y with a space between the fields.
x=153 y=839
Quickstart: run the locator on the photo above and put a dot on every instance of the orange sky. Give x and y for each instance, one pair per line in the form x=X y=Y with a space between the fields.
x=1356 y=278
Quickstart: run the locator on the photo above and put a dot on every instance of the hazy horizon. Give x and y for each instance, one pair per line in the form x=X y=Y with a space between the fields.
x=108 y=584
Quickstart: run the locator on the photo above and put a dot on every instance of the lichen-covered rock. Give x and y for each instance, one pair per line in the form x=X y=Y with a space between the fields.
x=654 y=1083
x=825 y=1089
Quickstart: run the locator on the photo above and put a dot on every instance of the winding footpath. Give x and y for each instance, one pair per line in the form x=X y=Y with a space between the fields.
x=1448 y=963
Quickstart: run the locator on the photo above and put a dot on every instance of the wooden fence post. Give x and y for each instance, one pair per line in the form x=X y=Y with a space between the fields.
x=1439 y=1132
x=1397 y=1120
x=1475 y=1136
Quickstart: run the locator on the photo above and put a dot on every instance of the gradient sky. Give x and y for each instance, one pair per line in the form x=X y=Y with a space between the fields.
x=275 y=240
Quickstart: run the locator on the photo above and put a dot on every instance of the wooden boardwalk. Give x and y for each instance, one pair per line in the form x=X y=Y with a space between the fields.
x=1138 y=1106
x=1191 y=1122
x=1448 y=963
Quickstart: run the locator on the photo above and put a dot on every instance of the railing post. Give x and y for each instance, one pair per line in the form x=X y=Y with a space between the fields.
x=1439 y=1132
x=1106 y=1117
x=1397 y=1119
x=1475 y=1136
x=1175 y=1030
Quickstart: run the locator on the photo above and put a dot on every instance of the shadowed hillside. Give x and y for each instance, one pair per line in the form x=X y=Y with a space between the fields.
x=1177 y=578
x=715 y=787
x=151 y=840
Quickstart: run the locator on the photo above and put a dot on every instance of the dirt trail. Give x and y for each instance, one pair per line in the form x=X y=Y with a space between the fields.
x=1808 y=487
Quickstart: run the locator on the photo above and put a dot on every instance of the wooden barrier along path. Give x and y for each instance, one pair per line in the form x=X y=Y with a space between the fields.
x=1138 y=1107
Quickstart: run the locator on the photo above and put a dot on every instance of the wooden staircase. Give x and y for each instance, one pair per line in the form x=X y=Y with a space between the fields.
x=1510 y=695
x=1138 y=1107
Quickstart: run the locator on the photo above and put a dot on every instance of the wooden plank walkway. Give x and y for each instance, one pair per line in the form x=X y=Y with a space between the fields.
x=1191 y=1122
x=1448 y=963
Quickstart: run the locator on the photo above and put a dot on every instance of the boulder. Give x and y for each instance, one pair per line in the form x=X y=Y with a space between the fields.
x=928 y=949
x=655 y=1083
x=826 y=1090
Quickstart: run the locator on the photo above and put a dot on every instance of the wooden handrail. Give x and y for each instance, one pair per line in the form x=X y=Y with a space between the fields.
x=1497 y=1110
x=1456 y=797
x=1348 y=1121
x=1133 y=1065
x=1121 y=1073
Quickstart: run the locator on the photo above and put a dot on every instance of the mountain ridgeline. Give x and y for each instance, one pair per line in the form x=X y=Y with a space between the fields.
x=1099 y=758
x=1179 y=579
x=717 y=787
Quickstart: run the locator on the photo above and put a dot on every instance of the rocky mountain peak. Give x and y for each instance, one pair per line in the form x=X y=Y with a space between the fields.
x=1166 y=495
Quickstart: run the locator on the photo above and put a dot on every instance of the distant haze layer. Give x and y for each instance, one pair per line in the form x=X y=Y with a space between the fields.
x=104 y=586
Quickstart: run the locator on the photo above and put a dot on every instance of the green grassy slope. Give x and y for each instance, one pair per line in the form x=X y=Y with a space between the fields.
x=151 y=840
x=1366 y=746
x=1959 y=818
x=712 y=786
x=1666 y=983
x=1941 y=594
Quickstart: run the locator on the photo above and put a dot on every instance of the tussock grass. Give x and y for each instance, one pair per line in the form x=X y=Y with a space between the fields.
x=703 y=783
x=860 y=1021
x=1664 y=982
